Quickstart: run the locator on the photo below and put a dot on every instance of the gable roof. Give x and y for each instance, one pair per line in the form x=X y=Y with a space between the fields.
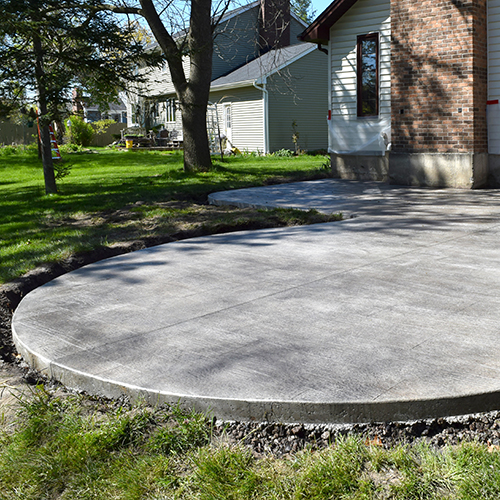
x=319 y=31
x=257 y=70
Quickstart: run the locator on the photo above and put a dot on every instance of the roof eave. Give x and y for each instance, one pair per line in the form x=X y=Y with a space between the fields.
x=319 y=35
x=262 y=79
x=319 y=30
x=229 y=86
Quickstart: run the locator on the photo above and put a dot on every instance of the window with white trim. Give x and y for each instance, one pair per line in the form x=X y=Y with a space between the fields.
x=170 y=109
x=367 y=74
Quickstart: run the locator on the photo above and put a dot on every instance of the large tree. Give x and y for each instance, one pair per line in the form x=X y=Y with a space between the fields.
x=49 y=46
x=196 y=42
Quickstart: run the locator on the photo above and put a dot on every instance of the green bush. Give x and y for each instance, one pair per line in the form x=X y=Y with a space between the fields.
x=286 y=153
x=8 y=150
x=70 y=148
x=18 y=149
x=79 y=132
x=101 y=126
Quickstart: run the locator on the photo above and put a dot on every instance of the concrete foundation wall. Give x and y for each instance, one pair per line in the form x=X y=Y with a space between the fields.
x=457 y=170
x=360 y=167
x=494 y=171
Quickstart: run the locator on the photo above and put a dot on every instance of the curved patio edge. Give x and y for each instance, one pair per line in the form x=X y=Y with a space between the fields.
x=287 y=412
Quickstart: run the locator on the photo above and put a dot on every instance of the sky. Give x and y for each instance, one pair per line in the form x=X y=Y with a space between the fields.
x=320 y=5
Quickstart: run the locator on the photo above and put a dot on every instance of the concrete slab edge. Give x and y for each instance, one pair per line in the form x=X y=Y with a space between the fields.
x=267 y=410
x=213 y=199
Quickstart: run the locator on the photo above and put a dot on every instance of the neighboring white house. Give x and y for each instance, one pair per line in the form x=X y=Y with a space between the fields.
x=271 y=103
x=258 y=101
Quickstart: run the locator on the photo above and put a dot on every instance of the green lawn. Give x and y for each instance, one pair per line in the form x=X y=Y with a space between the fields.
x=69 y=446
x=80 y=448
x=113 y=195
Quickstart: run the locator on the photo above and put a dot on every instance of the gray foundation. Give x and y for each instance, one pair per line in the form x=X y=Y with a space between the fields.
x=360 y=167
x=450 y=170
x=455 y=170
x=494 y=171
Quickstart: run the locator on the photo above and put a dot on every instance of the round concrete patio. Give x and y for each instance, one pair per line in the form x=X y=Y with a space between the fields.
x=393 y=314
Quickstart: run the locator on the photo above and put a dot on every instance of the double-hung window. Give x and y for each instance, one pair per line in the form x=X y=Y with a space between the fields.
x=170 y=108
x=367 y=74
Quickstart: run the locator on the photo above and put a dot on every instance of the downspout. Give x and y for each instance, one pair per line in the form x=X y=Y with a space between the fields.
x=329 y=94
x=322 y=49
x=266 y=114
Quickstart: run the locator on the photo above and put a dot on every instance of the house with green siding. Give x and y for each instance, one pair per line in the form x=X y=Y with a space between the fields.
x=271 y=103
x=263 y=97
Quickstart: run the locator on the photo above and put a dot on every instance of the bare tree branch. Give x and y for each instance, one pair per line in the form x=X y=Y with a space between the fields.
x=166 y=43
x=124 y=9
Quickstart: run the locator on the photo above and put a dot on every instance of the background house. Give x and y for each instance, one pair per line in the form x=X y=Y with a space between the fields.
x=91 y=112
x=409 y=90
x=271 y=103
x=257 y=90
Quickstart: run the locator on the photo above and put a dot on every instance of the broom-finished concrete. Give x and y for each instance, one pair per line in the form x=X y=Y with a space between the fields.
x=393 y=313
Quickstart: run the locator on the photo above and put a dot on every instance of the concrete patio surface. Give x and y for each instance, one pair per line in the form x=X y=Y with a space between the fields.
x=391 y=314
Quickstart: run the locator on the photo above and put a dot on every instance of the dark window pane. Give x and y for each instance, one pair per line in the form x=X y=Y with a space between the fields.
x=368 y=75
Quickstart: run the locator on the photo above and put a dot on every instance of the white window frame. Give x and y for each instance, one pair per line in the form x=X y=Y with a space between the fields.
x=170 y=107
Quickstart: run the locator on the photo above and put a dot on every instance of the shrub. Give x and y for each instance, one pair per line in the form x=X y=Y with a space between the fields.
x=79 y=132
x=284 y=153
x=327 y=164
x=62 y=169
x=8 y=150
x=101 y=126
x=21 y=149
x=70 y=148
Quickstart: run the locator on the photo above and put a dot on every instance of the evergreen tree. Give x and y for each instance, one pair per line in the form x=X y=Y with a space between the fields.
x=47 y=47
x=303 y=9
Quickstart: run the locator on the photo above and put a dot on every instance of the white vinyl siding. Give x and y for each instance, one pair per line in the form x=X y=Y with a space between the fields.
x=299 y=94
x=247 y=116
x=366 y=16
x=493 y=49
x=359 y=134
x=160 y=83
x=494 y=76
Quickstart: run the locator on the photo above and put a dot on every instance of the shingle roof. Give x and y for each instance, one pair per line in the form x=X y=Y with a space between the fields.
x=265 y=65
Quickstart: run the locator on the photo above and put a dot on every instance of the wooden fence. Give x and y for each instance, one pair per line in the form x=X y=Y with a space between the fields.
x=11 y=133
x=107 y=138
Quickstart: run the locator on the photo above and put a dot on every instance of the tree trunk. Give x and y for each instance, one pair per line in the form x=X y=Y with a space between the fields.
x=193 y=93
x=194 y=99
x=46 y=149
x=47 y=162
x=194 y=127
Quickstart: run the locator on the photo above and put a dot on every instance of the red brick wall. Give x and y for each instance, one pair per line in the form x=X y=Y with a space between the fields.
x=439 y=76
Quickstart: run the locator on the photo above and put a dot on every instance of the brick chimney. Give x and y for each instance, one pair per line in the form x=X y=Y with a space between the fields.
x=274 y=20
